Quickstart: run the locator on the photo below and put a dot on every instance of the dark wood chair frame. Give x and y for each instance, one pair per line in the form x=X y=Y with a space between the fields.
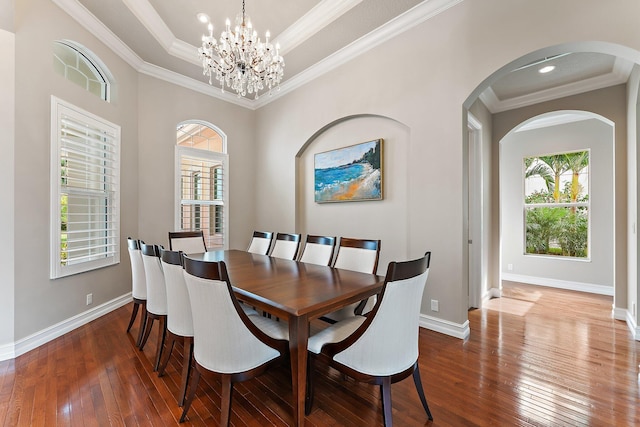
x=218 y=271
x=396 y=271
x=137 y=302
x=186 y=234
x=290 y=237
x=321 y=240
x=154 y=250
x=176 y=258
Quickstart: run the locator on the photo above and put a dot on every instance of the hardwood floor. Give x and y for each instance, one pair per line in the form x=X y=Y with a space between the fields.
x=539 y=357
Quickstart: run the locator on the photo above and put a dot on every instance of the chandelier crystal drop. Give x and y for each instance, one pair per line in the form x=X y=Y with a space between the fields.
x=240 y=60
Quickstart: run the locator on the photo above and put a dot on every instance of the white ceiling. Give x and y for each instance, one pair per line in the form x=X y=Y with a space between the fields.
x=160 y=38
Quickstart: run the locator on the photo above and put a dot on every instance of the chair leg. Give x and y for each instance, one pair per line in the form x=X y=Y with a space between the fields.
x=418 y=383
x=167 y=355
x=308 y=402
x=147 y=331
x=162 y=333
x=385 y=390
x=187 y=358
x=194 y=385
x=134 y=313
x=225 y=400
x=143 y=324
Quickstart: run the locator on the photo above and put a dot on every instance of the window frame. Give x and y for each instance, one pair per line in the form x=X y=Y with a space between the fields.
x=60 y=108
x=101 y=73
x=526 y=206
x=205 y=155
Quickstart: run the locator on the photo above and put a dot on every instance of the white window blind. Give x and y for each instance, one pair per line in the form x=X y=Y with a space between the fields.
x=202 y=184
x=85 y=191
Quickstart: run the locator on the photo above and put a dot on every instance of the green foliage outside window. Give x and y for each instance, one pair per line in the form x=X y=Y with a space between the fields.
x=562 y=228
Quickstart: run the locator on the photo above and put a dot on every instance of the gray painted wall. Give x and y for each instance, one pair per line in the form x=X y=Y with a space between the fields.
x=162 y=107
x=7 y=195
x=474 y=40
x=442 y=61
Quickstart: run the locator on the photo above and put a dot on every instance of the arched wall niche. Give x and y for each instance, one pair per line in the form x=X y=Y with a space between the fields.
x=386 y=219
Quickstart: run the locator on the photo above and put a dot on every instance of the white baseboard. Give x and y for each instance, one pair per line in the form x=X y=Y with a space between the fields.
x=631 y=322
x=560 y=284
x=446 y=327
x=494 y=293
x=20 y=347
x=7 y=352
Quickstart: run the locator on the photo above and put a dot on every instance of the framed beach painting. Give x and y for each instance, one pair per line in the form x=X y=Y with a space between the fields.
x=349 y=174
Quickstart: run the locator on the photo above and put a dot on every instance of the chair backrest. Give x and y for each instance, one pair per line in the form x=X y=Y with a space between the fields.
x=156 y=289
x=189 y=242
x=286 y=246
x=138 y=280
x=260 y=242
x=318 y=250
x=387 y=343
x=179 y=319
x=358 y=255
x=224 y=339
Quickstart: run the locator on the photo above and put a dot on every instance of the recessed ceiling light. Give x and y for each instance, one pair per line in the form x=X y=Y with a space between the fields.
x=547 y=69
x=203 y=17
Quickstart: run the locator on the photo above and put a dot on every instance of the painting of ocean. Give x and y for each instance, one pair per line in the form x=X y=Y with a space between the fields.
x=351 y=173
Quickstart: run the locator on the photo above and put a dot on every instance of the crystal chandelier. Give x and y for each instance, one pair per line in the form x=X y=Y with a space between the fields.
x=240 y=60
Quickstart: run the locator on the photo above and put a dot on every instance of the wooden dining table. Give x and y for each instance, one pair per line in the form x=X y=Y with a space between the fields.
x=297 y=293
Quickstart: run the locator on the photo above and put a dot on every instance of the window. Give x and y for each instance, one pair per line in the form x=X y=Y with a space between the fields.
x=73 y=62
x=201 y=180
x=85 y=191
x=556 y=204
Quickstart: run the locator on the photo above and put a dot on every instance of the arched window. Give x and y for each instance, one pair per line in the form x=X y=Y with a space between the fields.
x=80 y=66
x=202 y=182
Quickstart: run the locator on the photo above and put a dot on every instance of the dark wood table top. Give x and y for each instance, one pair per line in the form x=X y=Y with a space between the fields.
x=290 y=288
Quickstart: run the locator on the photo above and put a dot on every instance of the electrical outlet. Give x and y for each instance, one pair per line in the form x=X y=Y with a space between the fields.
x=89 y=299
x=510 y=267
x=435 y=305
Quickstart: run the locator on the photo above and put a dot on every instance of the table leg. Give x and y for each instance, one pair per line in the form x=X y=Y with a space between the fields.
x=298 y=337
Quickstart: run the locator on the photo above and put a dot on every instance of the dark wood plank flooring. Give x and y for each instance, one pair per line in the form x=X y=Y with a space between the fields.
x=538 y=357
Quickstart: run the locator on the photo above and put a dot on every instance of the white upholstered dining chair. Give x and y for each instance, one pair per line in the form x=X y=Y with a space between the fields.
x=318 y=250
x=226 y=341
x=156 y=298
x=286 y=246
x=189 y=242
x=179 y=318
x=260 y=242
x=358 y=255
x=381 y=348
x=138 y=286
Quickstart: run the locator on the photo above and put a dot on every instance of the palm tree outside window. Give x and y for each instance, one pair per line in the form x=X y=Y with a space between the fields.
x=556 y=204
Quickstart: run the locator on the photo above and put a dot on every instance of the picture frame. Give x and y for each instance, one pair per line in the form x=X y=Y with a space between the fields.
x=349 y=174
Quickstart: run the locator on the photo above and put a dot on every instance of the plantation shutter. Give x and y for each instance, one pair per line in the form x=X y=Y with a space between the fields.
x=87 y=192
x=202 y=184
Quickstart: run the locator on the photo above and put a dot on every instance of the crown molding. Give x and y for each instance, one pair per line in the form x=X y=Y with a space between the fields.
x=149 y=18
x=85 y=18
x=619 y=74
x=411 y=18
x=313 y=21
x=195 y=85
x=92 y=24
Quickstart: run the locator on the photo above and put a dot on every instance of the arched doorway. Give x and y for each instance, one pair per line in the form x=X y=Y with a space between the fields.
x=625 y=184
